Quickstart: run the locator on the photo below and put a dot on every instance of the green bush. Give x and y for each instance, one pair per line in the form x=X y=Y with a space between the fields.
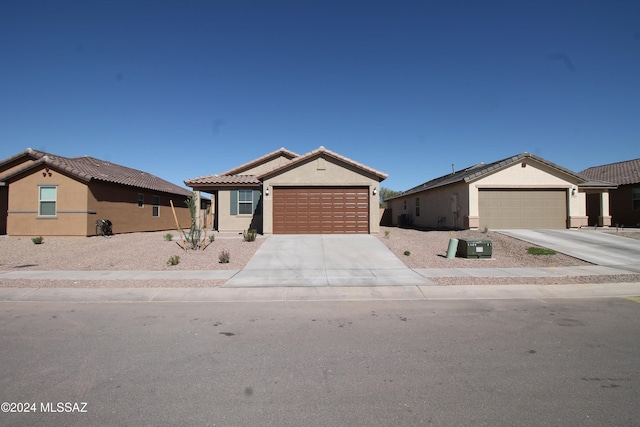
x=540 y=251
x=168 y=237
x=212 y=238
x=387 y=233
x=250 y=235
x=407 y=253
x=174 y=260
x=37 y=240
x=224 y=256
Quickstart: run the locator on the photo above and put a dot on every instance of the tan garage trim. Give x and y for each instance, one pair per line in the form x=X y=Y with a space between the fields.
x=523 y=208
x=320 y=210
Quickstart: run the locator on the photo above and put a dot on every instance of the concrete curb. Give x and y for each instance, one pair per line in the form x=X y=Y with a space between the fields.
x=299 y=294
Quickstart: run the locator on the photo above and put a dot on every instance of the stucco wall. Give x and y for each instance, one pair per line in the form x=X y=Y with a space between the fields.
x=71 y=207
x=119 y=204
x=228 y=223
x=621 y=206
x=444 y=208
x=323 y=171
x=266 y=166
x=79 y=205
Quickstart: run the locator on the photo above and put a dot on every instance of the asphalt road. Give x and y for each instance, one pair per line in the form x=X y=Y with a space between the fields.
x=508 y=362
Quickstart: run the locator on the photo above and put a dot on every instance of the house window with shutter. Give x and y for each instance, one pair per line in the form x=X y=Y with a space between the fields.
x=245 y=202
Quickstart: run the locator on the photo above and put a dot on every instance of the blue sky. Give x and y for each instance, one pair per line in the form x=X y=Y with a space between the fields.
x=182 y=89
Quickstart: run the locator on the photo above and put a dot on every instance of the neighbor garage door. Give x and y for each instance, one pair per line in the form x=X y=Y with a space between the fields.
x=523 y=208
x=320 y=210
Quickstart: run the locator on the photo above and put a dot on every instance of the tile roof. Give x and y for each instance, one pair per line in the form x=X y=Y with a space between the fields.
x=90 y=168
x=475 y=172
x=627 y=172
x=224 y=180
x=322 y=150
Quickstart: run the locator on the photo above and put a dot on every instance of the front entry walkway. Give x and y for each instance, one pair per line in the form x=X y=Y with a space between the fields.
x=325 y=260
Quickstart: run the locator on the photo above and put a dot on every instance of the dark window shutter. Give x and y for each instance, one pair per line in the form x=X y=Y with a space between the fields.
x=234 y=202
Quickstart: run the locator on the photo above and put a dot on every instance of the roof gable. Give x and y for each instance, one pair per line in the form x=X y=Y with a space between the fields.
x=90 y=168
x=282 y=153
x=321 y=151
x=621 y=173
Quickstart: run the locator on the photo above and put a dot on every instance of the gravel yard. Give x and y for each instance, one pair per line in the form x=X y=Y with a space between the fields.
x=428 y=250
x=150 y=251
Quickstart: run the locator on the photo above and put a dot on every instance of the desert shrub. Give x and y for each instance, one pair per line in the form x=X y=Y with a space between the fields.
x=407 y=253
x=174 y=260
x=212 y=238
x=37 y=240
x=168 y=237
x=224 y=256
x=387 y=233
x=250 y=235
x=540 y=251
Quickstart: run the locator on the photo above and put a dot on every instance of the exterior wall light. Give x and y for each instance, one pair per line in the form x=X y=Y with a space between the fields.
x=573 y=191
x=375 y=191
x=266 y=191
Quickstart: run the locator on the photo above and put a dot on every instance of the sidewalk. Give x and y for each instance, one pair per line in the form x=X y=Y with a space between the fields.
x=410 y=291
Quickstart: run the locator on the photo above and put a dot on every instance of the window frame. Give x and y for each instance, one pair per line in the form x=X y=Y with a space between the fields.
x=41 y=201
x=140 y=200
x=635 y=199
x=155 y=208
x=245 y=203
x=417 y=206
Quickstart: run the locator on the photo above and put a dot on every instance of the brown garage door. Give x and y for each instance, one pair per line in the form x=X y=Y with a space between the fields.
x=523 y=208
x=320 y=210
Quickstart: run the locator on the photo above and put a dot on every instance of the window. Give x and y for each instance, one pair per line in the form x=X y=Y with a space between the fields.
x=245 y=202
x=48 y=197
x=417 y=206
x=140 y=200
x=636 y=199
x=405 y=204
x=155 y=211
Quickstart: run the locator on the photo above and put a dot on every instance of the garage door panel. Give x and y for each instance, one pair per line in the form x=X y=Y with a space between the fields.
x=522 y=208
x=309 y=210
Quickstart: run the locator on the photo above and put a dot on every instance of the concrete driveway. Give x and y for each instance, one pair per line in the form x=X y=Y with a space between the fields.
x=588 y=245
x=324 y=260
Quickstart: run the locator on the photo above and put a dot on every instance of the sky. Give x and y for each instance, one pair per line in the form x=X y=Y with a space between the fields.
x=182 y=89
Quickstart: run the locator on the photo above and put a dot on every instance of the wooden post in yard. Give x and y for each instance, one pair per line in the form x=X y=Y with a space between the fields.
x=184 y=246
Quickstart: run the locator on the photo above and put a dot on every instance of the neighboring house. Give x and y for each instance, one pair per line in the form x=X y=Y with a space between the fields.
x=624 y=201
x=282 y=192
x=43 y=194
x=522 y=191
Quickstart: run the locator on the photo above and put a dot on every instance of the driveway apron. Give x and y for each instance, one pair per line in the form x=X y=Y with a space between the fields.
x=588 y=245
x=325 y=260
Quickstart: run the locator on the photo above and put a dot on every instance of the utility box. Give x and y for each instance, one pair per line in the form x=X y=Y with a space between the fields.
x=474 y=248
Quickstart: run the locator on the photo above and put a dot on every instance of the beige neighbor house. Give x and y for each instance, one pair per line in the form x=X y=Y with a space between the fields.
x=43 y=194
x=522 y=191
x=624 y=201
x=282 y=192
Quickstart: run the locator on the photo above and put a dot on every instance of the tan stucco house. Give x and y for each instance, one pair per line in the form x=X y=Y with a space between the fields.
x=624 y=201
x=522 y=191
x=320 y=192
x=42 y=194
